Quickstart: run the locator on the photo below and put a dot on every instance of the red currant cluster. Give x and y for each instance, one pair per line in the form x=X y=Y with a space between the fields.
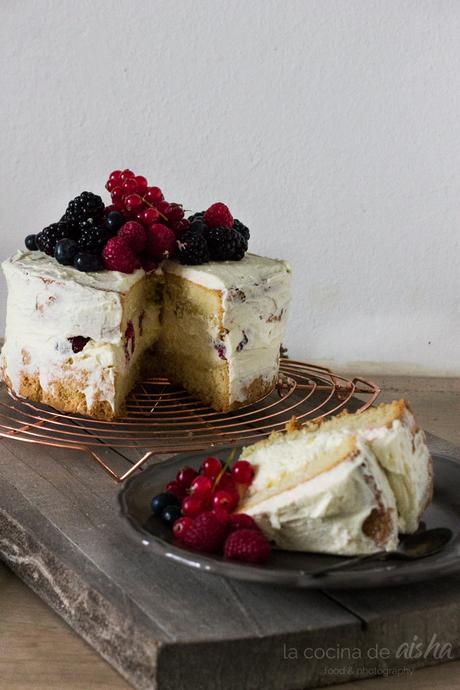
x=152 y=228
x=199 y=506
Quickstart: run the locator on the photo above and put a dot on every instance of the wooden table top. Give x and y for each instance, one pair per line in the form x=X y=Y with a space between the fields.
x=38 y=650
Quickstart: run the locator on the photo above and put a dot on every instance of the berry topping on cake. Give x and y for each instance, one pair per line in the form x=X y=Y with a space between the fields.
x=86 y=262
x=242 y=229
x=114 y=220
x=247 y=545
x=47 y=239
x=193 y=248
x=161 y=242
x=226 y=244
x=118 y=256
x=65 y=251
x=218 y=215
x=31 y=242
x=134 y=234
x=92 y=238
x=85 y=205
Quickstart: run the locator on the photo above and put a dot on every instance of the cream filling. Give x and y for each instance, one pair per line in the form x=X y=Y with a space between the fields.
x=327 y=513
x=406 y=460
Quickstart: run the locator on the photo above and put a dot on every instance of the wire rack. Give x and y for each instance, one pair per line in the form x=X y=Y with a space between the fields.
x=163 y=418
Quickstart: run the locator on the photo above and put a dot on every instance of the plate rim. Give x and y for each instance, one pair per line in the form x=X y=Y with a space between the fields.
x=243 y=572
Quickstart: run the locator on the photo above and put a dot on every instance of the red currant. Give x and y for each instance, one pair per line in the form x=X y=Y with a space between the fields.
x=211 y=467
x=150 y=216
x=154 y=194
x=126 y=173
x=222 y=499
x=130 y=185
x=117 y=195
x=192 y=506
x=141 y=183
x=226 y=483
x=175 y=213
x=243 y=472
x=201 y=486
x=133 y=202
x=115 y=176
x=111 y=184
x=176 y=489
x=181 y=526
x=163 y=207
x=185 y=476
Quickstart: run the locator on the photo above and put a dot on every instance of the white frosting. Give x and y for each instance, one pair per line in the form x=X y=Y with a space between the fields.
x=406 y=460
x=326 y=514
x=48 y=304
x=255 y=295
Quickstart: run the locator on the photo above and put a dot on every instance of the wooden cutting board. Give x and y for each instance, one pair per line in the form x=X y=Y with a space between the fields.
x=163 y=626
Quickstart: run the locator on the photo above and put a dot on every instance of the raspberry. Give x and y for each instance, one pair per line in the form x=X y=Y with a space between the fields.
x=206 y=534
x=134 y=234
x=218 y=215
x=117 y=255
x=241 y=521
x=247 y=545
x=161 y=242
x=226 y=244
x=192 y=248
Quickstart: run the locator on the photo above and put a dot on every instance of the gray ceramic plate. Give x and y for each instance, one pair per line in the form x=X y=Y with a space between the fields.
x=289 y=568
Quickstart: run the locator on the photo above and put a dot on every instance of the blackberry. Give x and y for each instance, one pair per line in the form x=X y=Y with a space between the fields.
x=196 y=216
x=86 y=205
x=226 y=244
x=192 y=248
x=241 y=228
x=198 y=225
x=93 y=239
x=47 y=239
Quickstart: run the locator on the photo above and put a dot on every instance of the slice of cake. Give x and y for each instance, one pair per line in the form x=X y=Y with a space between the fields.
x=76 y=340
x=322 y=493
x=298 y=479
x=400 y=448
x=222 y=326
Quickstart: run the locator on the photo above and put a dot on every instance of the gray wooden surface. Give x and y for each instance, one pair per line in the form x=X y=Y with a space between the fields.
x=163 y=626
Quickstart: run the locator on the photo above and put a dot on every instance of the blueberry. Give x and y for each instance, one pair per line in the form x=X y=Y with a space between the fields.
x=65 y=250
x=114 y=221
x=198 y=225
x=160 y=502
x=31 y=243
x=87 y=262
x=170 y=514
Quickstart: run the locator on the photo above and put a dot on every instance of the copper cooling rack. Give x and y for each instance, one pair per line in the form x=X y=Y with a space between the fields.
x=163 y=418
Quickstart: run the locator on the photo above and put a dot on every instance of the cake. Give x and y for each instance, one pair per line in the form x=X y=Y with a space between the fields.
x=345 y=486
x=109 y=295
x=79 y=341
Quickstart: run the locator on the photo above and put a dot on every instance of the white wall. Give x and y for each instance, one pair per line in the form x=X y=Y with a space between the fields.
x=331 y=127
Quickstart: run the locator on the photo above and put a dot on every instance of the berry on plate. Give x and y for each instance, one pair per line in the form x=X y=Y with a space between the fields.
x=206 y=534
x=161 y=501
x=170 y=514
x=241 y=521
x=247 y=545
x=243 y=472
x=211 y=467
x=185 y=476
